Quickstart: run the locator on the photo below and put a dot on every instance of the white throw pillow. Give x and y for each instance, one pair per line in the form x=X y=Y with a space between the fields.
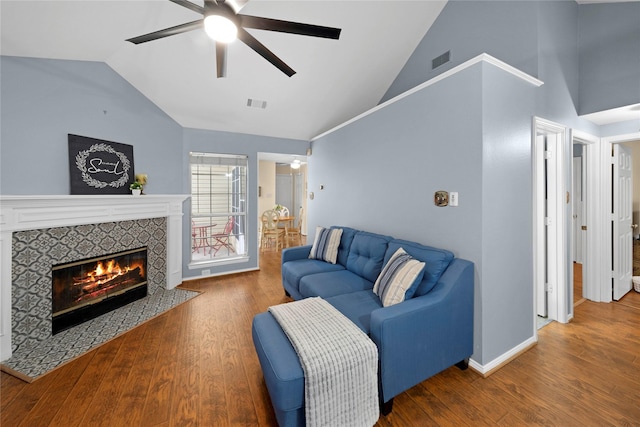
x=326 y=243
x=400 y=274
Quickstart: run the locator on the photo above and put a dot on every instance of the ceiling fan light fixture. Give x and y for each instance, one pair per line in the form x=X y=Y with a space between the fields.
x=222 y=23
x=220 y=28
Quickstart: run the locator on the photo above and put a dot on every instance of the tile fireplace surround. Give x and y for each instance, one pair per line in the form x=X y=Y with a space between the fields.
x=92 y=216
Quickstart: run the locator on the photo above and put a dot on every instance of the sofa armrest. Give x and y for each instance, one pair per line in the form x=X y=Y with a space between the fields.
x=297 y=252
x=422 y=336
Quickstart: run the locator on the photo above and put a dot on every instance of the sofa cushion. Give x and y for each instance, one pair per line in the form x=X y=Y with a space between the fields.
x=357 y=307
x=436 y=261
x=325 y=244
x=366 y=254
x=293 y=271
x=345 y=243
x=399 y=278
x=332 y=283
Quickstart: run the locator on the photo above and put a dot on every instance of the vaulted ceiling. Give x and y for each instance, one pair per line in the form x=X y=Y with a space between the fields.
x=335 y=80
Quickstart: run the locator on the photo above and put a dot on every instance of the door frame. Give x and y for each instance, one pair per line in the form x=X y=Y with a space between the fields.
x=592 y=255
x=604 y=293
x=560 y=293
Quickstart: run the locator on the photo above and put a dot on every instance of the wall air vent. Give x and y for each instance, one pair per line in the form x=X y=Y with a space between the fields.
x=441 y=60
x=256 y=103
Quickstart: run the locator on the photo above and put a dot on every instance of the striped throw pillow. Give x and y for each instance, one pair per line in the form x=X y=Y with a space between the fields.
x=400 y=274
x=325 y=244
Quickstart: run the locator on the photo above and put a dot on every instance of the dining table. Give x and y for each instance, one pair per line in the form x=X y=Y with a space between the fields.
x=201 y=235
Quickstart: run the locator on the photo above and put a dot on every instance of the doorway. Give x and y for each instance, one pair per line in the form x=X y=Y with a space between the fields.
x=579 y=194
x=616 y=218
x=290 y=190
x=551 y=207
x=282 y=180
x=596 y=242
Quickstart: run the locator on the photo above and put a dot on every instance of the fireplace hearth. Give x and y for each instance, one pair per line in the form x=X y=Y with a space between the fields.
x=39 y=231
x=85 y=289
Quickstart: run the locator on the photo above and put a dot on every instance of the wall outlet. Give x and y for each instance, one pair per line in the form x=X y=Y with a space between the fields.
x=453 y=198
x=206 y=272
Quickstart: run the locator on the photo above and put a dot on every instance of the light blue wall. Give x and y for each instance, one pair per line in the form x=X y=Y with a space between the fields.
x=609 y=41
x=622 y=128
x=380 y=173
x=507 y=213
x=506 y=30
x=207 y=141
x=43 y=100
x=558 y=97
x=469 y=133
x=588 y=56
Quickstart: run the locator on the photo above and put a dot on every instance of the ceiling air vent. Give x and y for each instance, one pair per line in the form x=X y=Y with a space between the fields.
x=441 y=60
x=256 y=103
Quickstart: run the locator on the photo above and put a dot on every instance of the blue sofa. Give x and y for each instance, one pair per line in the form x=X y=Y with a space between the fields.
x=416 y=338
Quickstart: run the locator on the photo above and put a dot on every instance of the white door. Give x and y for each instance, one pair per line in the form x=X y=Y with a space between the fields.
x=554 y=255
x=551 y=199
x=541 y=235
x=577 y=205
x=549 y=255
x=622 y=220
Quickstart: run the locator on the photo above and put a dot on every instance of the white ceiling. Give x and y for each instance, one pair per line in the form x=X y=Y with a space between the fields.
x=336 y=79
x=629 y=112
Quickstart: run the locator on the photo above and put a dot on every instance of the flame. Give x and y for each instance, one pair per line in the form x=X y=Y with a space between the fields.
x=111 y=269
x=106 y=271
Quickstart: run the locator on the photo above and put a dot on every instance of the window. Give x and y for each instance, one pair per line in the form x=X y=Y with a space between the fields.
x=218 y=207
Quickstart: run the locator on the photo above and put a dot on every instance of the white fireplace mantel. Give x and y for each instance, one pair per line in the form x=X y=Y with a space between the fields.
x=19 y=213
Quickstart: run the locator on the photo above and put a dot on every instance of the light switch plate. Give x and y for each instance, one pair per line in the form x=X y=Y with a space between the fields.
x=453 y=198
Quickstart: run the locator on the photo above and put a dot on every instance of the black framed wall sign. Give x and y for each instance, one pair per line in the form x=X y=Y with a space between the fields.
x=99 y=167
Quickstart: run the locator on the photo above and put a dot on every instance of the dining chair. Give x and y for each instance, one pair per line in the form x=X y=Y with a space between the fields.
x=295 y=233
x=284 y=211
x=270 y=229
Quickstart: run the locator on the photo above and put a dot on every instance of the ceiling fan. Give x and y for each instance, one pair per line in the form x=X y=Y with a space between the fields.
x=223 y=25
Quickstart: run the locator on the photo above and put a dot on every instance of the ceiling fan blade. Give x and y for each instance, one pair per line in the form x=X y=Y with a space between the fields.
x=221 y=59
x=189 y=5
x=178 y=29
x=262 y=50
x=269 y=24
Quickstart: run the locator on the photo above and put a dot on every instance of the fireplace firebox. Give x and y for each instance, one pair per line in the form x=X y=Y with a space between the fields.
x=85 y=289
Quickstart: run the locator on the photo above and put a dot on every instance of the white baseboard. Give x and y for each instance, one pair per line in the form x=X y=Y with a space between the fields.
x=503 y=359
x=224 y=273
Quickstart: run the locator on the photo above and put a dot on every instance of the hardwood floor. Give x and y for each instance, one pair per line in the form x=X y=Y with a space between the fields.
x=196 y=366
x=577 y=284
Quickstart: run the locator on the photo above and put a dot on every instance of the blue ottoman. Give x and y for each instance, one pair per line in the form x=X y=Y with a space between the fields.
x=281 y=368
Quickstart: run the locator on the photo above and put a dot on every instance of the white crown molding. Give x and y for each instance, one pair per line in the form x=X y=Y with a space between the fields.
x=484 y=57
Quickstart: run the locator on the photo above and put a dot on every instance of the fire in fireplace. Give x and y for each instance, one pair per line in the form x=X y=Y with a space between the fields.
x=86 y=289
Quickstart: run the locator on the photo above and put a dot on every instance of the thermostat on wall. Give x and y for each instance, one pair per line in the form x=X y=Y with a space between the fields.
x=441 y=198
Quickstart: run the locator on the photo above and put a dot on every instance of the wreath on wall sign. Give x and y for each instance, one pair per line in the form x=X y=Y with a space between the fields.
x=81 y=163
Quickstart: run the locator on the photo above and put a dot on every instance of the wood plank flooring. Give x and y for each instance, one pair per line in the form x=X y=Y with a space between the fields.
x=577 y=284
x=195 y=366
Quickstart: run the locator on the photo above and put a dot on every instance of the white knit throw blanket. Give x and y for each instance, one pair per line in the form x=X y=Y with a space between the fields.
x=340 y=363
